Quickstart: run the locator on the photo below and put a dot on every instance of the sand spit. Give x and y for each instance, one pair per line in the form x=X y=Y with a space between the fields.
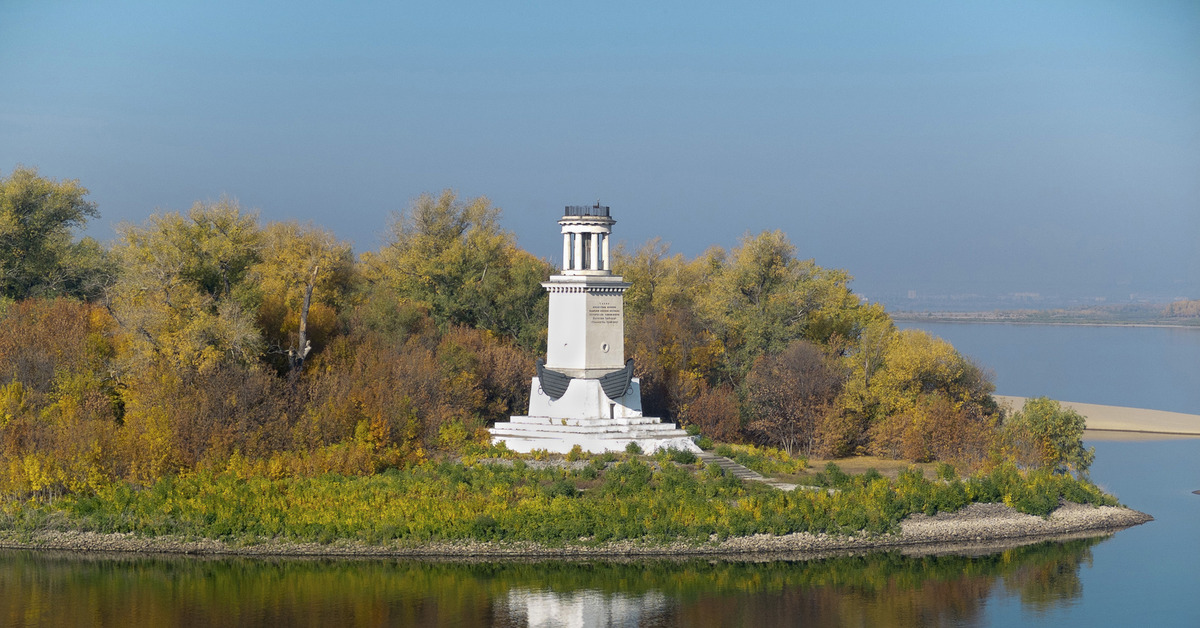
x=1133 y=421
x=975 y=529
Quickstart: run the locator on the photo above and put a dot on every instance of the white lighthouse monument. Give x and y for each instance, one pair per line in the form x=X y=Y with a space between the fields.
x=585 y=393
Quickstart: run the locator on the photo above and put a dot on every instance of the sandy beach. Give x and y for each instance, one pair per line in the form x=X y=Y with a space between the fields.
x=1119 y=423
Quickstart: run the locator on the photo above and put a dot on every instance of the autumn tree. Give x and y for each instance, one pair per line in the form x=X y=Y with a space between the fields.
x=676 y=356
x=788 y=394
x=696 y=325
x=1046 y=434
x=182 y=294
x=936 y=428
x=762 y=297
x=302 y=280
x=60 y=406
x=452 y=258
x=914 y=364
x=38 y=255
x=394 y=390
x=716 y=412
x=188 y=417
x=918 y=398
x=866 y=355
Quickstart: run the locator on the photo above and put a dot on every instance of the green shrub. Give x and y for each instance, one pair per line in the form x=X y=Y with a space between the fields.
x=946 y=471
x=834 y=477
x=681 y=456
x=627 y=477
x=562 y=488
x=704 y=443
x=673 y=478
x=712 y=472
x=948 y=497
x=484 y=527
x=633 y=449
x=1034 y=500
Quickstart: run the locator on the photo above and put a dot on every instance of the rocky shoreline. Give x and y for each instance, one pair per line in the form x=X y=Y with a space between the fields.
x=974 y=529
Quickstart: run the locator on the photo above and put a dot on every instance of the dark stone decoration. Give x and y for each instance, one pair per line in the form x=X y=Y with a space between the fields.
x=615 y=384
x=553 y=383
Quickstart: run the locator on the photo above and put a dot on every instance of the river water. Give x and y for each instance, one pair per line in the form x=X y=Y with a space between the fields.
x=1147 y=575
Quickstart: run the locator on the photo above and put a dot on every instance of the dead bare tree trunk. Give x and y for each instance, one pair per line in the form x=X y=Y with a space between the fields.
x=302 y=344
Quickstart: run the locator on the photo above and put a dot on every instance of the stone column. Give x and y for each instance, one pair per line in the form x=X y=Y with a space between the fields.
x=578 y=265
x=566 y=251
x=607 y=260
x=595 y=265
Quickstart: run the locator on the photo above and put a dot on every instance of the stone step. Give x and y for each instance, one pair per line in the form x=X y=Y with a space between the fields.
x=627 y=421
x=732 y=467
x=742 y=472
x=657 y=431
x=563 y=442
x=591 y=429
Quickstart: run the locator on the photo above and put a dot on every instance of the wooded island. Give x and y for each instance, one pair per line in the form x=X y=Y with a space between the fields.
x=208 y=375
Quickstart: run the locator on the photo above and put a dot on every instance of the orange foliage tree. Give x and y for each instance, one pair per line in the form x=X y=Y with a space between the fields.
x=789 y=394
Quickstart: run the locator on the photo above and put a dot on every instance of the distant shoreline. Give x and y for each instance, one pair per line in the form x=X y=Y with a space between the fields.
x=916 y=317
x=976 y=528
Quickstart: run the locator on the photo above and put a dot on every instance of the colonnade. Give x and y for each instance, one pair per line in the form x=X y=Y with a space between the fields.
x=586 y=251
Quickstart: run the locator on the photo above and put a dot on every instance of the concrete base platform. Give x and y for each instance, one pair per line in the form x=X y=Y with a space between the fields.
x=559 y=435
x=587 y=417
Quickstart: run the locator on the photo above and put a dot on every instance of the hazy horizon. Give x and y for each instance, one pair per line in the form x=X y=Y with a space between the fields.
x=932 y=150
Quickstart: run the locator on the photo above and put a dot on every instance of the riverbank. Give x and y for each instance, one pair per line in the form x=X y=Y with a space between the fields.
x=979 y=526
x=1089 y=318
x=1116 y=422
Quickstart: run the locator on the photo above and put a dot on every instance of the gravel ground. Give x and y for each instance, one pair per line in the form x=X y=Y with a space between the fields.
x=976 y=528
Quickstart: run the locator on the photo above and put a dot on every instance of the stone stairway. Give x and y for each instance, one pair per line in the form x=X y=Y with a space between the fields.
x=593 y=435
x=742 y=473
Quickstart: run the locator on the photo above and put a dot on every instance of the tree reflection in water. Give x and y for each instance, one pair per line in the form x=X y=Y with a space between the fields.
x=882 y=589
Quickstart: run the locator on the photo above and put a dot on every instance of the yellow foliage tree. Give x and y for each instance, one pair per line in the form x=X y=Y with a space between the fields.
x=453 y=259
x=181 y=295
x=303 y=278
x=913 y=364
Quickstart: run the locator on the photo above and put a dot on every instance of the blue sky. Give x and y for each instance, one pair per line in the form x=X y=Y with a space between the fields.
x=939 y=147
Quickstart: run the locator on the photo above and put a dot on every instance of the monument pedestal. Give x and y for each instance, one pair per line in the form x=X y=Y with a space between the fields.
x=585 y=416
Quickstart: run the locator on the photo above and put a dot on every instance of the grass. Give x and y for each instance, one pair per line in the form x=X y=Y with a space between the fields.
x=610 y=498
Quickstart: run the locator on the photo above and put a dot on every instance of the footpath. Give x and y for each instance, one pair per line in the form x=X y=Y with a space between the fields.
x=743 y=473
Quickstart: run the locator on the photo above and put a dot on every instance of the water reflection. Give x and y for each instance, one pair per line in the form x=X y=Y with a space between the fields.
x=581 y=609
x=887 y=589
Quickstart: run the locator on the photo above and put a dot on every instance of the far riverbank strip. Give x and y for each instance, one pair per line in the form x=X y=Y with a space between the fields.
x=977 y=528
x=990 y=318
